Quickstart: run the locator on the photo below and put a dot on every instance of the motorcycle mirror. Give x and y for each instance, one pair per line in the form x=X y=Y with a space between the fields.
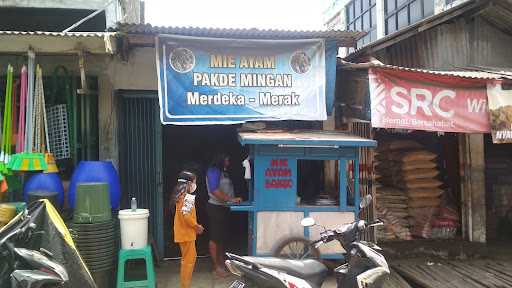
x=365 y=202
x=307 y=222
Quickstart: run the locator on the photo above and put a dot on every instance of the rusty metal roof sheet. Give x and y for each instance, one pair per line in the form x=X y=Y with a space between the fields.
x=496 y=12
x=486 y=73
x=343 y=38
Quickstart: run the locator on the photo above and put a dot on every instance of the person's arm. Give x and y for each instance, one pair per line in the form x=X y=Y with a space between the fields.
x=190 y=220
x=213 y=177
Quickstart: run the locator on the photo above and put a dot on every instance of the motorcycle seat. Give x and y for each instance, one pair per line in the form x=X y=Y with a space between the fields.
x=310 y=270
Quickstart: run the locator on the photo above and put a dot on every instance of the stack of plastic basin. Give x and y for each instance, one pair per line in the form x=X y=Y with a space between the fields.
x=94 y=172
x=95 y=231
x=92 y=203
x=37 y=195
x=41 y=182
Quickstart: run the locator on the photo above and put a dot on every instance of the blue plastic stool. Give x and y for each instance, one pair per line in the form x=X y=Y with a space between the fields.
x=133 y=254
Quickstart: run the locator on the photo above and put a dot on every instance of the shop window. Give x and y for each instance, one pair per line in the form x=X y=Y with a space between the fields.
x=312 y=189
x=402 y=13
x=402 y=18
x=361 y=16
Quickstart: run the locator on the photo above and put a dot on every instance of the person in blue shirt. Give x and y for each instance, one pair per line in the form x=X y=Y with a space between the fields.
x=221 y=193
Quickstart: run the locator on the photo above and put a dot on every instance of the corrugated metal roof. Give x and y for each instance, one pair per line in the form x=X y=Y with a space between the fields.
x=470 y=72
x=499 y=13
x=58 y=42
x=58 y=34
x=342 y=37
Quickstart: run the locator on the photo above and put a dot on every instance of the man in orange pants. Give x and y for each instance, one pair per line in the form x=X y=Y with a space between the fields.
x=185 y=225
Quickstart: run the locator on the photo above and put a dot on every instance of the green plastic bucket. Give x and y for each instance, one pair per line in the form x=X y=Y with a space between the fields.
x=92 y=203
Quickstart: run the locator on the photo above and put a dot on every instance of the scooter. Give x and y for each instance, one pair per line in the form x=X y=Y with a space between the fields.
x=24 y=267
x=364 y=267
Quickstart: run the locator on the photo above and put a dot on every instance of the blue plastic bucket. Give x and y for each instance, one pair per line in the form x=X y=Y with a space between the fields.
x=94 y=172
x=45 y=182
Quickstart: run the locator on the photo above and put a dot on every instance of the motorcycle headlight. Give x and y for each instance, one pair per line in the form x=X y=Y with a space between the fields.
x=232 y=268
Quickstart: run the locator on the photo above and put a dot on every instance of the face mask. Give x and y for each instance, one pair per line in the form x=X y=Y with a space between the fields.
x=193 y=187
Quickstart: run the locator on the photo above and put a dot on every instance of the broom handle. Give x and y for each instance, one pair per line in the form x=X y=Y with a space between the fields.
x=21 y=122
x=30 y=100
x=4 y=124
x=37 y=112
x=9 y=114
x=34 y=118
x=44 y=115
x=14 y=111
x=5 y=131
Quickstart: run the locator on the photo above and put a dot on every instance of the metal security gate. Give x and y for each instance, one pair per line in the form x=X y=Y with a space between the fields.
x=140 y=156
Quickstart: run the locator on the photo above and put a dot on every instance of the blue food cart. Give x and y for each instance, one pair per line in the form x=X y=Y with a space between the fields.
x=274 y=207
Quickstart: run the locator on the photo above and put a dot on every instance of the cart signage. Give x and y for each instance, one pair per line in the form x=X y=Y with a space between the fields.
x=500 y=111
x=278 y=175
x=214 y=80
x=419 y=101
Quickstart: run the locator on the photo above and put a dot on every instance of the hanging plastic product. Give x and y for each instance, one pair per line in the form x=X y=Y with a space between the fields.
x=32 y=158
x=20 y=141
x=44 y=141
x=6 y=131
x=57 y=114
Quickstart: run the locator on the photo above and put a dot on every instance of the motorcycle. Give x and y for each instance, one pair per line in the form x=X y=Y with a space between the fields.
x=24 y=267
x=364 y=267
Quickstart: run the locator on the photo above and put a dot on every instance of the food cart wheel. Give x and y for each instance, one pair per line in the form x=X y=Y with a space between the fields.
x=296 y=248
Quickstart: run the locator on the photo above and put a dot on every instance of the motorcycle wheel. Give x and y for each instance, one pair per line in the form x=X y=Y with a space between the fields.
x=297 y=248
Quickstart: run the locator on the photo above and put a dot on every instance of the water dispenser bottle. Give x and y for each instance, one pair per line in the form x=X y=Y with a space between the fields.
x=134 y=204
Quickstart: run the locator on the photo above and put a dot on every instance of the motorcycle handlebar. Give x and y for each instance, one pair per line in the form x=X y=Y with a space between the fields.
x=330 y=235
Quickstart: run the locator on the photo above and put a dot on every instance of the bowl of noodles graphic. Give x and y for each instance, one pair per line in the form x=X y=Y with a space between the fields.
x=300 y=62
x=182 y=60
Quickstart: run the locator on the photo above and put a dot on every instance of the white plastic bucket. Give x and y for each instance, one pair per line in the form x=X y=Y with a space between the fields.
x=134 y=228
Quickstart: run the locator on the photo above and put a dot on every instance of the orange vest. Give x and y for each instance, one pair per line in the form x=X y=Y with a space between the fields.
x=184 y=224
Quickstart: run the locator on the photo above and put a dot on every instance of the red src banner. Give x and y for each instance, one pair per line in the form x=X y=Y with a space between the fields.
x=425 y=101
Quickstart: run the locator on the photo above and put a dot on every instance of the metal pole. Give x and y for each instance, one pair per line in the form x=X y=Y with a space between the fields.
x=87 y=18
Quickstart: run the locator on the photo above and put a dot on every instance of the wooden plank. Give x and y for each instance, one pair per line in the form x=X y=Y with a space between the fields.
x=503 y=267
x=499 y=273
x=409 y=272
x=473 y=187
x=476 y=275
x=456 y=274
x=394 y=280
x=490 y=275
x=502 y=277
x=450 y=279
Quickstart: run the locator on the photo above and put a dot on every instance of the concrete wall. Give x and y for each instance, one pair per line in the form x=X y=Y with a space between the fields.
x=117 y=11
x=138 y=73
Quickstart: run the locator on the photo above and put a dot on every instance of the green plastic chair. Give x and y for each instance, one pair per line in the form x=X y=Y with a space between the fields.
x=92 y=203
x=134 y=254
